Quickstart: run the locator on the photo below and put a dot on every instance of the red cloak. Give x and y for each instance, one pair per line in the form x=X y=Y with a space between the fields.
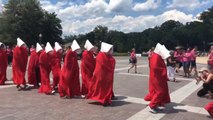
x=56 y=67
x=69 y=84
x=209 y=108
x=45 y=69
x=3 y=66
x=20 y=57
x=87 y=69
x=101 y=86
x=33 y=63
x=158 y=87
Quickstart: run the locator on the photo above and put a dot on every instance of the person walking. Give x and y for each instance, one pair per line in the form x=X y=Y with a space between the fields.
x=87 y=67
x=19 y=64
x=3 y=64
x=101 y=85
x=133 y=60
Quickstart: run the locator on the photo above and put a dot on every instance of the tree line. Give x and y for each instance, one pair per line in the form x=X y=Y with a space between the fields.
x=27 y=20
x=171 y=33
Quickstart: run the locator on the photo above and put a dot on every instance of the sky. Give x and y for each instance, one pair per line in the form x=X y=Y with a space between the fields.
x=82 y=16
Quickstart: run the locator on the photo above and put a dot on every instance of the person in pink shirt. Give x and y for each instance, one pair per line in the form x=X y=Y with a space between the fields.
x=193 y=61
x=186 y=62
x=133 y=60
x=178 y=58
x=210 y=61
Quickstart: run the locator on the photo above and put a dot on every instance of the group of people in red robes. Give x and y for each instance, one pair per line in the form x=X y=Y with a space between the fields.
x=97 y=73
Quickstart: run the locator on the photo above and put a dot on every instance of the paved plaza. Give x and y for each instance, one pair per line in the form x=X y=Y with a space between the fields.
x=129 y=88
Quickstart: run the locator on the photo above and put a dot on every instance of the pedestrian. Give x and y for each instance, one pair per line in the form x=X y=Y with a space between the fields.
x=56 y=64
x=69 y=84
x=45 y=69
x=193 y=65
x=210 y=61
x=32 y=48
x=186 y=62
x=19 y=64
x=171 y=67
x=158 y=89
x=87 y=67
x=3 y=64
x=207 y=79
x=178 y=58
x=101 y=86
x=133 y=60
x=34 y=76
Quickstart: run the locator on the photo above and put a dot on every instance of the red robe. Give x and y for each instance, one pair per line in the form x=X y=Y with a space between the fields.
x=56 y=67
x=45 y=69
x=87 y=69
x=20 y=57
x=158 y=87
x=69 y=84
x=3 y=66
x=33 y=63
x=209 y=108
x=101 y=86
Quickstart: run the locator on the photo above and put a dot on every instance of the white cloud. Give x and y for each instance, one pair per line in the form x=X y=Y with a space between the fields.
x=189 y=4
x=120 y=5
x=91 y=9
x=125 y=23
x=1 y=6
x=148 y=5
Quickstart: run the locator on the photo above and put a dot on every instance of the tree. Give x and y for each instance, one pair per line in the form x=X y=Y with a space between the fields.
x=26 y=19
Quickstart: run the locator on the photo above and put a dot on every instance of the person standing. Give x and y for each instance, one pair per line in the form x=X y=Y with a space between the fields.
x=33 y=67
x=158 y=93
x=19 y=64
x=3 y=64
x=133 y=60
x=171 y=67
x=210 y=61
x=101 y=86
x=87 y=67
x=186 y=62
x=193 y=65
x=45 y=69
x=56 y=64
x=69 y=84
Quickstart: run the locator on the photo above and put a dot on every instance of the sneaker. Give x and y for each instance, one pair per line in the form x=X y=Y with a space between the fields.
x=154 y=110
x=53 y=92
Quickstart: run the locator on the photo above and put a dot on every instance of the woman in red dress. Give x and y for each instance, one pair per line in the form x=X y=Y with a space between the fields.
x=101 y=85
x=19 y=64
x=87 y=67
x=3 y=65
x=69 y=84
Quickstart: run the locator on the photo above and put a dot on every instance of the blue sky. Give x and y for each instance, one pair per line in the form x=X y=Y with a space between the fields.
x=82 y=16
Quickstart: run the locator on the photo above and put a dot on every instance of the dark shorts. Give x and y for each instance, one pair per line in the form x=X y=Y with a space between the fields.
x=193 y=63
x=180 y=64
x=186 y=65
x=134 y=61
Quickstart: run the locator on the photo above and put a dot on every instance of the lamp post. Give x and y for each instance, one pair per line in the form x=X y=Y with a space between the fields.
x=40 y=36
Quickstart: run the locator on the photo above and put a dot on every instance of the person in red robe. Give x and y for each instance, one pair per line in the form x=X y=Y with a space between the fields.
x=45 y=69
x=3 y=64
x=101 y=86
x=209 y=108
x=56 y=64
x=33 y=66
x=158 y=89
x=87 y=67
x=19 y=64
x=69 y=84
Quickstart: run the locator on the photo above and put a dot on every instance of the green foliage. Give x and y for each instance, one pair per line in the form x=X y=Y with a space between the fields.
x=26 y=19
